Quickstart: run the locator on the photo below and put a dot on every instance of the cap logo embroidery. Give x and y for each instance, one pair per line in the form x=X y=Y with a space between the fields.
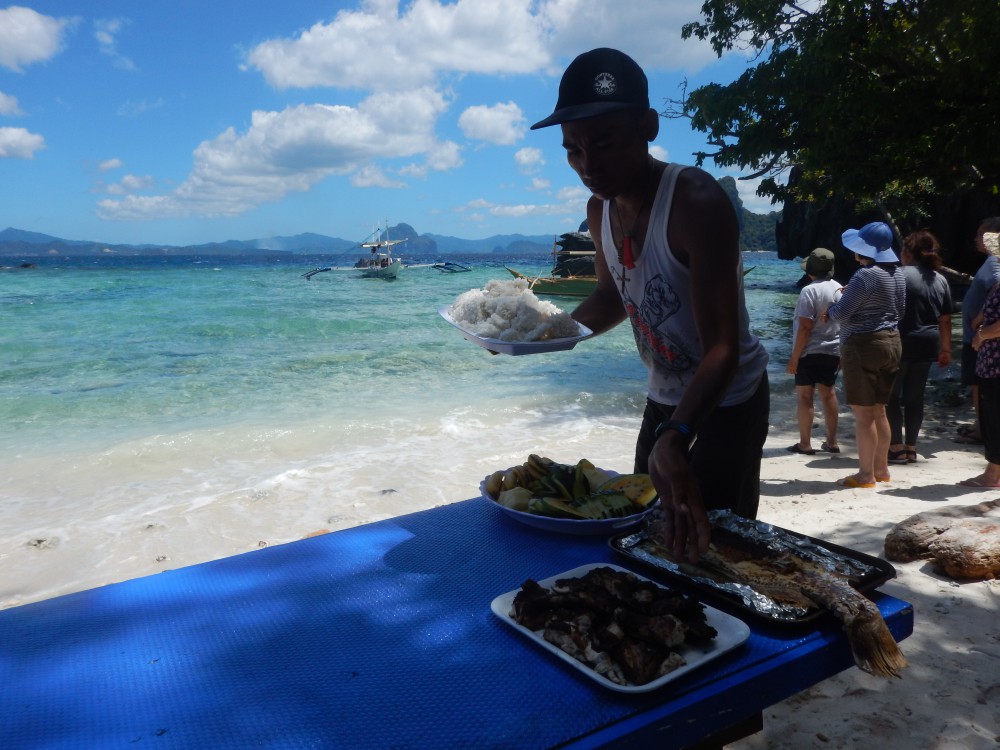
x=605 y=84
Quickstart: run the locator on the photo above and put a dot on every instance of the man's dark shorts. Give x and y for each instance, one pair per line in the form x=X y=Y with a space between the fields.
x=817 y=369
x=969 y=376
x=726 y=455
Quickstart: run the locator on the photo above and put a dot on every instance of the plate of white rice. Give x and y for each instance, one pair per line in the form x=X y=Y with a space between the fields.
x=506 y=317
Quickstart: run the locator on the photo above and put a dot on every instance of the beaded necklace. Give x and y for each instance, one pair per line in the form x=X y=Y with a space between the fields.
x=625 y=254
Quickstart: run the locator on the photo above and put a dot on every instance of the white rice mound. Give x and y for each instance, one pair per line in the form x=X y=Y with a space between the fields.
x=510 y=311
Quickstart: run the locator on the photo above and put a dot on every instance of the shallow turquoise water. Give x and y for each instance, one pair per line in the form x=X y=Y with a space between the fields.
x=165 y=412
x=97 y=353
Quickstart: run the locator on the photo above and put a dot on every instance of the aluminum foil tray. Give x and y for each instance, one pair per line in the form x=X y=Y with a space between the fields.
x=864 y=572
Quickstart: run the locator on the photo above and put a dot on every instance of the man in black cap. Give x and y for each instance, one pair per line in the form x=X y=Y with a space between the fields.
x=668 y=259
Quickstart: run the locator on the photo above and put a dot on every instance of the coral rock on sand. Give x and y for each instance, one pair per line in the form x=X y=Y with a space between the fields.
x=964 y=541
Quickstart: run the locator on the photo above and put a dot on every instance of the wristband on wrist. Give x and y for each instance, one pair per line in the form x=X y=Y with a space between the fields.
x=686 y=430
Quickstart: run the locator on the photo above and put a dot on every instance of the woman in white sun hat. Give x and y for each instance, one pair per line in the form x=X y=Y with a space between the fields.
x=869 y=312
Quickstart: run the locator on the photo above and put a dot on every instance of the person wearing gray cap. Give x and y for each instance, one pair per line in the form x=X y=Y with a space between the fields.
x=815 y=358
x=869 y=313
x=668 y=260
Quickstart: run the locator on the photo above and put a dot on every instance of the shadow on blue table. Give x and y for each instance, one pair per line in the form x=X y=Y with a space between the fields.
x=379 y=636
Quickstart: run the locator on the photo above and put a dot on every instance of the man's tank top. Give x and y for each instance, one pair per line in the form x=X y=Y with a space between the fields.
x=657 y=298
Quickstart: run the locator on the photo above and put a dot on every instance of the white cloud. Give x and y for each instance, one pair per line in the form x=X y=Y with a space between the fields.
x=529 y=160
x=372 y=176
x=131 y=183
x=522 y=210
x=444 y=156
x=295 y=148
x=9 y=105
x=752 y=202
x=570 y=202
x=405 y=57
x=537 y=183
x=28 y=37
x=18 y=143
x=649 y=31
x=501 y=124
x=658 y=152
x=109 y=164
x=106 y=32
x=377 y=48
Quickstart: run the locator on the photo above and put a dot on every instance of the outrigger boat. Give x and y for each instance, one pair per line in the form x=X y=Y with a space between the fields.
x=572 y=273
x=380 y=263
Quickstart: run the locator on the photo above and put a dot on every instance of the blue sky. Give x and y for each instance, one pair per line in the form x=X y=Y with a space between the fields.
x=180 y=122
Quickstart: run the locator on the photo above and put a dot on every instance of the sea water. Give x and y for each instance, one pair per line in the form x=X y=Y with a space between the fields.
x=160 y=412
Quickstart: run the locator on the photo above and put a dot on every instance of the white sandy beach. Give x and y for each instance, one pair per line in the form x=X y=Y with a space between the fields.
x=948 y=698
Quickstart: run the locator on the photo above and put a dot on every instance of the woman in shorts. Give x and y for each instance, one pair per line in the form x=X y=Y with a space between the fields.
x=815 y=358
x=869 y=312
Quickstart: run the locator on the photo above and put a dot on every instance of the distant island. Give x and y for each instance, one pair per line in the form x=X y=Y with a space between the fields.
x=757 y=234
x=18 y=243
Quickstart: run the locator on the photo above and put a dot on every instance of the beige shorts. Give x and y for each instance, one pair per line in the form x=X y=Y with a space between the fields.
x=869 y=363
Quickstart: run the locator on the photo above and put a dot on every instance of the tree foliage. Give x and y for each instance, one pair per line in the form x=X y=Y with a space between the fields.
x=882 y=103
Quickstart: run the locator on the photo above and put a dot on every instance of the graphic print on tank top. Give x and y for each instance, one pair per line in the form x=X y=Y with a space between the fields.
x=649 y=324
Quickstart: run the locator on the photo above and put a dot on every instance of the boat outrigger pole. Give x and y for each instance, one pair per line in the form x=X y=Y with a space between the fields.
x=310 y=274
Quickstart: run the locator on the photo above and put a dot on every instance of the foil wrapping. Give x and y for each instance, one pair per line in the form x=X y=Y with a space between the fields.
x=640 y=545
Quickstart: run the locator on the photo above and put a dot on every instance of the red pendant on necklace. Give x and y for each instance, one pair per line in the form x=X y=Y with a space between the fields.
x=627 y=258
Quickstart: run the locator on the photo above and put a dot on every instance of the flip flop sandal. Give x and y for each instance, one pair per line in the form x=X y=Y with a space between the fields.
x=899 y=457
x=796 y=449
x=853 y=481
x=830 y=448
x=975 y=482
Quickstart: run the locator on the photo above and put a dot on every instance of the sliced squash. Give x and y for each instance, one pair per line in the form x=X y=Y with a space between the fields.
x=606 y=504
x=554 y=508
x=637 y=487
x=516 y=499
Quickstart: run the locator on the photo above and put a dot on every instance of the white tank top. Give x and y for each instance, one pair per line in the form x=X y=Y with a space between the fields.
x=657 y=298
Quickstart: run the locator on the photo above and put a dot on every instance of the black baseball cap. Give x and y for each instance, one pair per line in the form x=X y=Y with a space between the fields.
x=597 y=82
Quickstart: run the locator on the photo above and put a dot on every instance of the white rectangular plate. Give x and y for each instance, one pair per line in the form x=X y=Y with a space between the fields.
x=732 y=632
x=516 y=348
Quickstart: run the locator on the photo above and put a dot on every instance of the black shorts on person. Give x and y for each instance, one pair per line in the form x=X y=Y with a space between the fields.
x=817 y=369
x=725 y=457
x=969 y=355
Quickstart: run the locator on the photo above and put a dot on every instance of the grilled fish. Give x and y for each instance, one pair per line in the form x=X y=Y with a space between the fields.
x=787 y=577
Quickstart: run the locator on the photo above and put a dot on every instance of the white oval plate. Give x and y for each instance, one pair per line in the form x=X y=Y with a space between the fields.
x=583 y=527
x=516 y=348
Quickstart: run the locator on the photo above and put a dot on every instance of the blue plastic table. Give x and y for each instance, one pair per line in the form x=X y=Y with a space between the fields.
x=379 y=636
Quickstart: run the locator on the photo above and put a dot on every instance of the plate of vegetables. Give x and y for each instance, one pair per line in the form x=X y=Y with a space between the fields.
x=575 y=498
